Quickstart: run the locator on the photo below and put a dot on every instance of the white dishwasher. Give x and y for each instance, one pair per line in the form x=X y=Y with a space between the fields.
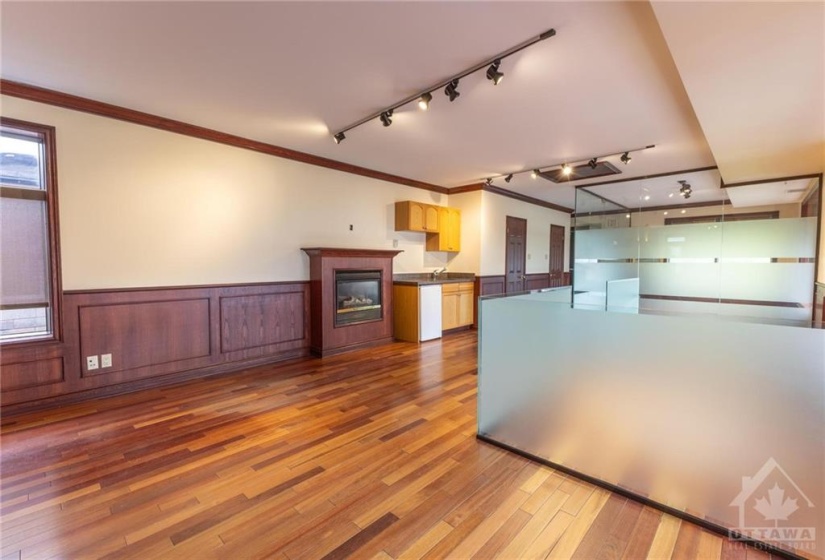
x=429 y=309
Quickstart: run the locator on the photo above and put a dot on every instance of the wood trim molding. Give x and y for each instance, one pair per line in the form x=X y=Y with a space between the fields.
x=91 y=106
x=509 y=194
x=185 y=287
x=467 y=188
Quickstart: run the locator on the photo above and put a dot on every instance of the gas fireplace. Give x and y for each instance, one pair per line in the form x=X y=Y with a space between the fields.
x=357 y=296
x=350 y=294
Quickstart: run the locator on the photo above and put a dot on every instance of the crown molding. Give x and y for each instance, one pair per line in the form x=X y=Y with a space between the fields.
x=91 y=106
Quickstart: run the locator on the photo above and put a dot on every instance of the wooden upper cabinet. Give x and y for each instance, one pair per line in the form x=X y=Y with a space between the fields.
x=416 y=216
x=448 y=237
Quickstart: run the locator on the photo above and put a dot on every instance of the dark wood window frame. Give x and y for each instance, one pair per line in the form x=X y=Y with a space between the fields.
x=48 y=135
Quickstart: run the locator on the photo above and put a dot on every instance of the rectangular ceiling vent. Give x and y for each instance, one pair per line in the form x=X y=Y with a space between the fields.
x=583 y=171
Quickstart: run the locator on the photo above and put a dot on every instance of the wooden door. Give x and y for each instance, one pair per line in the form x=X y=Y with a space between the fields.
x=516 y=256
x=556 y=256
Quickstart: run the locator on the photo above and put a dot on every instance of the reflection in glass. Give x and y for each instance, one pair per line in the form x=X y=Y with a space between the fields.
x=742 y=252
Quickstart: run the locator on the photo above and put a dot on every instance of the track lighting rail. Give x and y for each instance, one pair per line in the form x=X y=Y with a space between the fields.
x=592 y=162
x=338 y=135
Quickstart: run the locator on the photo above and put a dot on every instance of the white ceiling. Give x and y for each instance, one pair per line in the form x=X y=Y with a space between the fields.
x=659 y=191
x=288 y=73
x=763 y=194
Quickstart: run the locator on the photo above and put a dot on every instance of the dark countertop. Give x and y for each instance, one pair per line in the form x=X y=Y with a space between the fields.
x=424 y=278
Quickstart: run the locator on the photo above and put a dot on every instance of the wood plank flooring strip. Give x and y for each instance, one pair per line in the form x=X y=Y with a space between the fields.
x=364 y=536
x=399 y=431
x=641 y=538
x=687 y=542
x=665 y=538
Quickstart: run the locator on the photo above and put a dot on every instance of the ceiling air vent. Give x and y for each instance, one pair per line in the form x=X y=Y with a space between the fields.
x=584 y=171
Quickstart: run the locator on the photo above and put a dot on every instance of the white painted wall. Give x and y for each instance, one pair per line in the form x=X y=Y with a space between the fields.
x=494 y=211
x=469 y=258
x=142 y=207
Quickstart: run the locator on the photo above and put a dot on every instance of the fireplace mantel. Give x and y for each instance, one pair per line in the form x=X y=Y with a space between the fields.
x=327 y=338
x=342 y=252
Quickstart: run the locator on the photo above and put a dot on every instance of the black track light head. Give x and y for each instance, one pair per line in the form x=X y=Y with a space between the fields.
x=534 y=174
x=508 y=178
x=493 y=74
x=451 y=91
x=593 y=163
x=625 y=159
x=424 y=101
x=489 y=181
x=385 y=117
x=339 y=137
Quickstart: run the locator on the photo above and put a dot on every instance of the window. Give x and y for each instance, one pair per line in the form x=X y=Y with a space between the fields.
x=29 y=264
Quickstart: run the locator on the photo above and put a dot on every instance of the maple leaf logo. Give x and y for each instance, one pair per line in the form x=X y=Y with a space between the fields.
x=777 y=506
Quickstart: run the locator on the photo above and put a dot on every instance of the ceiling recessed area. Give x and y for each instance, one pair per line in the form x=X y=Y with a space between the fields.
x=766 y=194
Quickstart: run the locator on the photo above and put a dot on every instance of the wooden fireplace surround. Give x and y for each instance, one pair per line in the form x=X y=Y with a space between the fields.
x=327 y=339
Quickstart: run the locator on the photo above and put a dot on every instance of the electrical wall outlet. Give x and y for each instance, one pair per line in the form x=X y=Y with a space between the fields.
x=105 y=360
x=91 y=363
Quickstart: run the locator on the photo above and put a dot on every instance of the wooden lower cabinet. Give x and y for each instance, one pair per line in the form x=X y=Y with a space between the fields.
x=405 y=312
x=457 y=305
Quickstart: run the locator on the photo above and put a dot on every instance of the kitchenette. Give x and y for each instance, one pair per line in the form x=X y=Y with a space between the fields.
x=426 y=305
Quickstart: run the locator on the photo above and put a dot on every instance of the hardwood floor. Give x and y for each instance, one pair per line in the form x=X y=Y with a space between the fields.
x=365 y=455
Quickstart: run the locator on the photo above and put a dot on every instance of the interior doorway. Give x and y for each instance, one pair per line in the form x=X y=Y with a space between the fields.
x=556 y=256
x=516 y=255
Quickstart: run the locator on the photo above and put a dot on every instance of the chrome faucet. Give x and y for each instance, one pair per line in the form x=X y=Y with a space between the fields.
x=437 y=273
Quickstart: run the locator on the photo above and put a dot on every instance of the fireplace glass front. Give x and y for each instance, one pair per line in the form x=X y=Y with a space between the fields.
x=357 y=296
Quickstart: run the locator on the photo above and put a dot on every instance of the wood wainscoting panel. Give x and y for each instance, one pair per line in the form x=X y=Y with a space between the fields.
x=490 y=285
x=22 y=375
x=156 y=336
x=144 y=333
x=252 y=321
x=537 y=281
x=486 y=286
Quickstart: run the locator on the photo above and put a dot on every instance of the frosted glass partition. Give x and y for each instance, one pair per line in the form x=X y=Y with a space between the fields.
x=700 y=414
x=623 y=296
x=759 y=269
